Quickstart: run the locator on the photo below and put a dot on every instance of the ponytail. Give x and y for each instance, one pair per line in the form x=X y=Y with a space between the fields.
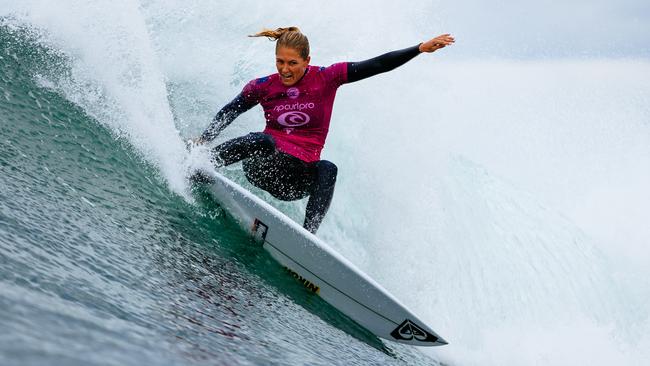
x=273 y=35
x=290 y=37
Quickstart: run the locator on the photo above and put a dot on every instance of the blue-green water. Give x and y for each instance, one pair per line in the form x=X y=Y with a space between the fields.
x=504 y=200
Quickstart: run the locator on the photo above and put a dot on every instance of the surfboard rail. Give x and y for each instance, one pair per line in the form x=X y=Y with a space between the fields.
x=321 y=269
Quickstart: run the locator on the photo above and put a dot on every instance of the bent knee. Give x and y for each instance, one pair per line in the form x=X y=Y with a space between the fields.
x=327 y=169
x=264 y=142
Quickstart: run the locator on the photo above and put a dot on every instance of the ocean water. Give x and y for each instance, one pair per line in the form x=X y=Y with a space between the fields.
x=503 y=199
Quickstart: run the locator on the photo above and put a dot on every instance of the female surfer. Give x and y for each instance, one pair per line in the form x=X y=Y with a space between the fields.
x=284 y=159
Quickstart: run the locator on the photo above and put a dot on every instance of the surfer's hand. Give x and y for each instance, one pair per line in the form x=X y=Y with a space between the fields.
x=198 y=141
x=437 y=43
x=191 y=143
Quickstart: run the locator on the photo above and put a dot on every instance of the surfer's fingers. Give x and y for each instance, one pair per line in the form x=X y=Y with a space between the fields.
x=445 y=41
x=192 y=143
x=446 y=38
x=437 y=43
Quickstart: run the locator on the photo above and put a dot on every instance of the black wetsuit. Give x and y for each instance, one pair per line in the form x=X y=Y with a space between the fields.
x=287 y=177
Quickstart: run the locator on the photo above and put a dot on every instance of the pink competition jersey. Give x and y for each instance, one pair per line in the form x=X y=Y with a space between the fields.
x=298 y=116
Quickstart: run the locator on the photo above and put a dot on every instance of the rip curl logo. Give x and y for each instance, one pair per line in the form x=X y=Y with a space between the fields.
x=294 y=107
x=293 y=93
x=293 y=119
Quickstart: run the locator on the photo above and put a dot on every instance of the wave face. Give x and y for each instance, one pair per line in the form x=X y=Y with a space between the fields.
x=500 y=192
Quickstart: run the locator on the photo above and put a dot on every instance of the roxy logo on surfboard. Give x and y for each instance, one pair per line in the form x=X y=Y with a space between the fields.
x=408 y=331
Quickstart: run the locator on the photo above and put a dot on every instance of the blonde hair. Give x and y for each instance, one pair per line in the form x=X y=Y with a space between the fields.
x=290 y=37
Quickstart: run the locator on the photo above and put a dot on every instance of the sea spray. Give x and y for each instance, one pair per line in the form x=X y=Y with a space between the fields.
x=485 y=193
x=113 y=74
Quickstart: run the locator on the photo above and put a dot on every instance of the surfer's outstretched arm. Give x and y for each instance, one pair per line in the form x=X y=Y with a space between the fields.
x=224 y=117
x=391 y=60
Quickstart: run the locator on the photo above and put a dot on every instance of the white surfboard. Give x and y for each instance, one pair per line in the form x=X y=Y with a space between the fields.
x=321 y=269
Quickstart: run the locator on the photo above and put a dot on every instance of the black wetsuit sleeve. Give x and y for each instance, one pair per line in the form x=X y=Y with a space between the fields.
x=386 y=62
x=225 y=116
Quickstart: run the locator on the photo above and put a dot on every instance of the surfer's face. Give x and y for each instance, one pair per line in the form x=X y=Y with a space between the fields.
x=291 y=66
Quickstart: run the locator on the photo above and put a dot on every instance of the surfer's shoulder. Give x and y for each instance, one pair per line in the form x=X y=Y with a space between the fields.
x=263 y=83
x=263 y=80
x=259 y=85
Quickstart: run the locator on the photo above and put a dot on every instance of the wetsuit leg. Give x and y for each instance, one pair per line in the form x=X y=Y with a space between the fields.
x=256 y=144
x=288 y=178
x=321 y=194
x=285 y=177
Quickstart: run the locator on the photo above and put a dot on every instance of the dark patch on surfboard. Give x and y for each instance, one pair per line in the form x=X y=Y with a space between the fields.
x=408 y=331
x=259 y=230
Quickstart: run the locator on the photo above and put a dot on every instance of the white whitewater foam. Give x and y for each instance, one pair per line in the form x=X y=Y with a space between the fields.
x=506 y=201
x=114 y=74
